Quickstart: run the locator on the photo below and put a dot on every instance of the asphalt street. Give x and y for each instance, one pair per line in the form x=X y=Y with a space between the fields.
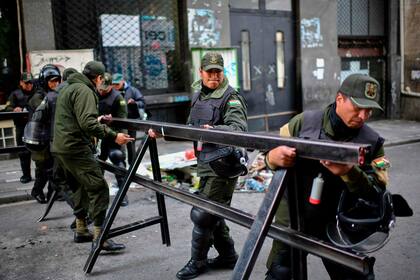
x=31 y=250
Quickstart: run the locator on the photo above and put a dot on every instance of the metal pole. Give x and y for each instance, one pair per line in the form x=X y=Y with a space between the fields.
x=94 y=253
x=260 y=226
x=313 y=149
x=357 y=262
x=164 y=228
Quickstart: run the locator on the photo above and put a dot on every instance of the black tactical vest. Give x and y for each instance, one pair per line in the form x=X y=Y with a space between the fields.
x=209 y=111
x=21 y=98
x=106 y=103
x=317 y=216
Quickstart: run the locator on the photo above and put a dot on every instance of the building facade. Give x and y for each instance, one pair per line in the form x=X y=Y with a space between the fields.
x=290 y=55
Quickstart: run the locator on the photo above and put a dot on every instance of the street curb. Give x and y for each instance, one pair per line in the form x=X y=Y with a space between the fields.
x=15 y=198
x=401 y=142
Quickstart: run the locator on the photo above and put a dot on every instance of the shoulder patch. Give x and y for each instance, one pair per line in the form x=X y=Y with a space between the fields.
x=234 y=102
x=381 y=163
x=122 y=102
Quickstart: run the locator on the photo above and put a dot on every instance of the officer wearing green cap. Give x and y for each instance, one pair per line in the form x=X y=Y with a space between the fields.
x=18 y=102
x=76 y=126
x=112 y=104
x=135 y=108
x=214 y=105
x=344 y=120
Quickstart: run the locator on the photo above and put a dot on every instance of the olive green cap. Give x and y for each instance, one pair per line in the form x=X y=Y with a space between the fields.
x=94 y=68
x=362 y=90
x=212 y=60
x=107 y=81
x=26 y=77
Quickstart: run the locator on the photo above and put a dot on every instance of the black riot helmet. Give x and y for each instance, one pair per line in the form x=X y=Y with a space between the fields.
x=232 y=164
x=362 y=225
x=48 y=72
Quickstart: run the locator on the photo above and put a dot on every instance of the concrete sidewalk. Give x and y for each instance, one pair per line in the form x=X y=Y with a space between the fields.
x=395 y=132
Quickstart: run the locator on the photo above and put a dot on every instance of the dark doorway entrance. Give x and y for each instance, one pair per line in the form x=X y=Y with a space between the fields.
x=266 y=63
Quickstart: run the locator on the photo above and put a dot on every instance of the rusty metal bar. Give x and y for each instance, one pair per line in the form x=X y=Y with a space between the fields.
x=313 y=149
x=260 y=226
x=296 y=239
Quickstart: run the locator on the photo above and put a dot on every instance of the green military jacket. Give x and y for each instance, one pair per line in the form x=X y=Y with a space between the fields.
x=234 y=116
x=356 y=180
x=76 y=113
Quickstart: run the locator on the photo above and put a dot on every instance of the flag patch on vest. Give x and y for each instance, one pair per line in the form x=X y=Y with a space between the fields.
x=381 y=163
x=234 y=102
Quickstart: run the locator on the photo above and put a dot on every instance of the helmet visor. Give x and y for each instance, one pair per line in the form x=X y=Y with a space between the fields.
x=366 y=243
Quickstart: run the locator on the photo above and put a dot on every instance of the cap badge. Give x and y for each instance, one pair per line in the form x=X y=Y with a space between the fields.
x=213 y=59
x=370 y=90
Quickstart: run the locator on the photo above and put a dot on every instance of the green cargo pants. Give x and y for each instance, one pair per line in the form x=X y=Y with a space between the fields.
x=219 y=190
x=91 y=190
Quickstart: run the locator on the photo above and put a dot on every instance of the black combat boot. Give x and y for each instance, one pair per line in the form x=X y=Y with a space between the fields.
x=224 y=245
x=280 y=268
x=25 y=179
x=38 y=196
x=109 y=245
x=192 y=269
x=200 y=244
x=25 y=164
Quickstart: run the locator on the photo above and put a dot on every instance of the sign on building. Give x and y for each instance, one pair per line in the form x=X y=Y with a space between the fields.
x=61 y=58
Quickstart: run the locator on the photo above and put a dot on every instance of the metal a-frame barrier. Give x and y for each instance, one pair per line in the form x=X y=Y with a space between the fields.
x=260 y=225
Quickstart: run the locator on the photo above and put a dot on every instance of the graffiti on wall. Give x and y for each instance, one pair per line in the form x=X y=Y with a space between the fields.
x=155 y=66
x=127 y=39
x=66 y=58
x=158 y=33
x=310 y=30
x=203 y=28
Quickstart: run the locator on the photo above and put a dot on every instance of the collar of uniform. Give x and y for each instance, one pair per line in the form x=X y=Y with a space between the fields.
x=126 y=85
x=218 y=92
x=326 y=124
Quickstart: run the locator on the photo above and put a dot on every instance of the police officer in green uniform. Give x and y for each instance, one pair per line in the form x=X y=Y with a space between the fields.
x=76 y=125
x=215 y=105
x=112 y=103
x=17 y=102
x=343 y=120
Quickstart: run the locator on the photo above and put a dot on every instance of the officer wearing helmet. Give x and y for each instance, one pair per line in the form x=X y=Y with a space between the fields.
x=112 y=103
x=49 y=79
x=343 y=120
x=214 y=105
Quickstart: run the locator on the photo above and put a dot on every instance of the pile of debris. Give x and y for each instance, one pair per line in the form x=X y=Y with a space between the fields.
x=179 y=171
x=258 y=178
